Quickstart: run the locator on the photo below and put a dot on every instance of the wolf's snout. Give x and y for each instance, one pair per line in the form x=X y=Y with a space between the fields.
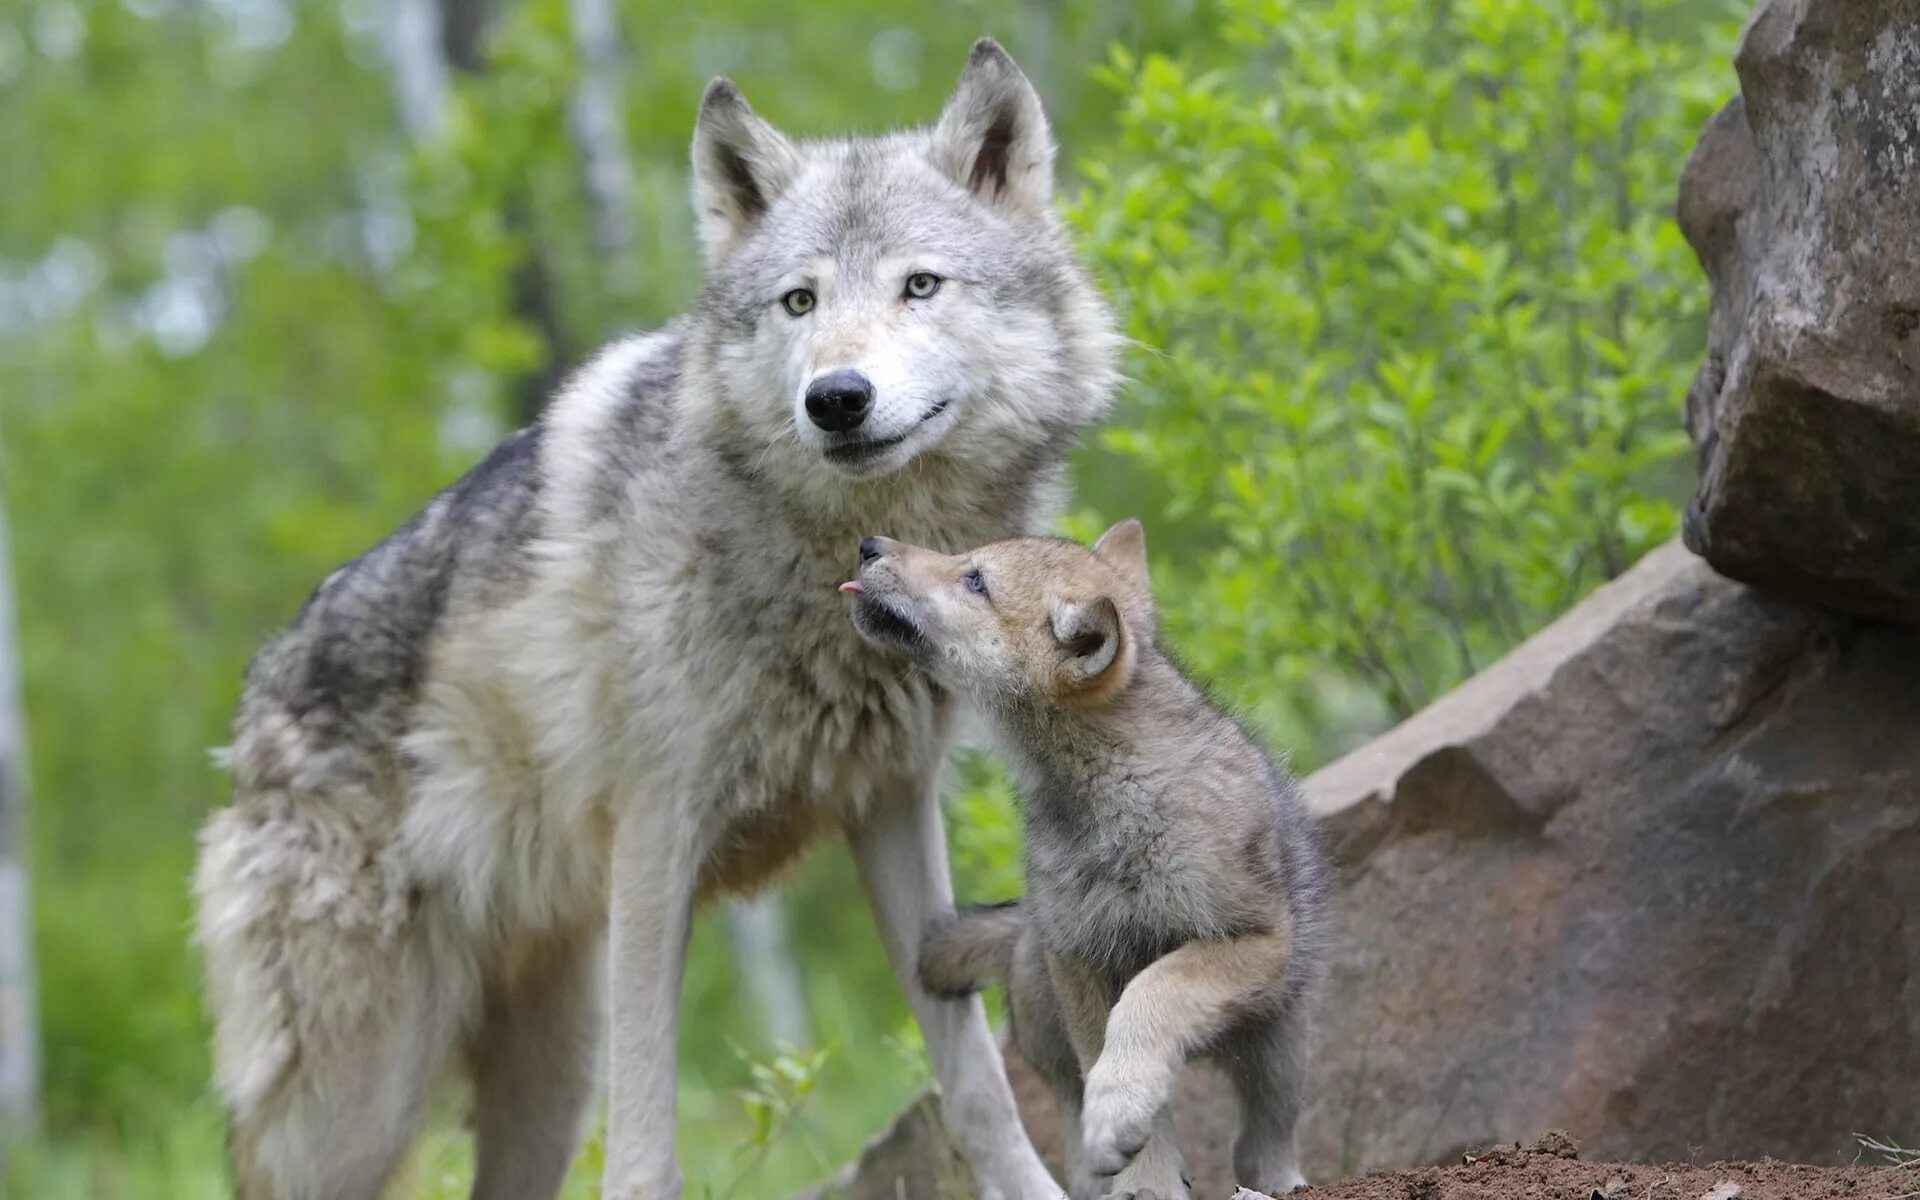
x=839 y=400
x=872 y=548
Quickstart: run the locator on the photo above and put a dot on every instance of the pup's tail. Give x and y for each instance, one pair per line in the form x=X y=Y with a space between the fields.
x=964 y=953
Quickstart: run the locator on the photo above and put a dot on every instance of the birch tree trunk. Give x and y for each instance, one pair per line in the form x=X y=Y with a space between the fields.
x=426 y=41
x=19 y=1031
x=600 y=130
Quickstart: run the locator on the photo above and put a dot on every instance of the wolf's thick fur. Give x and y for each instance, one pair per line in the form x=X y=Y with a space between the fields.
x=605 y=672
x=1176 y=888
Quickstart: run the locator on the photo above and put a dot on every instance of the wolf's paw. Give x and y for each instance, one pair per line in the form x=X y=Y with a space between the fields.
x=1277 y=1184
x=1116 y=1119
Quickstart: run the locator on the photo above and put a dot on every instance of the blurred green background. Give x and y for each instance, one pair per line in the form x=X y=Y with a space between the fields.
x=1412 y=326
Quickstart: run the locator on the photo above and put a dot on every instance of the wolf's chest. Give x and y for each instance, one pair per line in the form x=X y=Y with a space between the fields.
x=812 y=719
x=1116 y=894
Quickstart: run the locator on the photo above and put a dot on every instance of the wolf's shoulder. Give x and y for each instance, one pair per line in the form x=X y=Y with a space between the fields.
x=610 y=424
x=361 y=643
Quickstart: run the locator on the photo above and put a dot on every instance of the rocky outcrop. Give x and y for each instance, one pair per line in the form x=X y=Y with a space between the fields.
x=1654 y=878
x=1802 y=201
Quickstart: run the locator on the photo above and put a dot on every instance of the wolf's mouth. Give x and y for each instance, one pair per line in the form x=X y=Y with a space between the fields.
x=883 y=622
x=848 y=452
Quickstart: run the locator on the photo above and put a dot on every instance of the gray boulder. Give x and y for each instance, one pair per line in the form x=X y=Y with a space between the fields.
x=1802 y=201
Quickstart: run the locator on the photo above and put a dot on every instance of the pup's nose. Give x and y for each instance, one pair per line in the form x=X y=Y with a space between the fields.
x=872 y=548
x=839 y=400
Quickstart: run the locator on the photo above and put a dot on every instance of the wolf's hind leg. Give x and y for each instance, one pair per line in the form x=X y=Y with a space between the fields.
x=534 y=1069
x=330 y=1023
x=340 y=1117
x=1268 y=1066
x=1040 y=1031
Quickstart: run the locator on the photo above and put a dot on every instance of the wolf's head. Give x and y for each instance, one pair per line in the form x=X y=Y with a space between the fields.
x=876 y=299
x=1026 y=620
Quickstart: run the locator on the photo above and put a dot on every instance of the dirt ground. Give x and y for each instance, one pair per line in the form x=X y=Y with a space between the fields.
x=1549 y=1169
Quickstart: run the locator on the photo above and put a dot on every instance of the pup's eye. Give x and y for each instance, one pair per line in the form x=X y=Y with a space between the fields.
x=922 y=284
x=975 y=581
x=798 y=302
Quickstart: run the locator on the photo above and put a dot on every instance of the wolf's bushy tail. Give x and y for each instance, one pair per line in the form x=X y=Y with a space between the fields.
x=964 y=953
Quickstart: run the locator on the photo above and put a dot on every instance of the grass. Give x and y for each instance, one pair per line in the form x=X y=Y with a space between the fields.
x=1892 y=1151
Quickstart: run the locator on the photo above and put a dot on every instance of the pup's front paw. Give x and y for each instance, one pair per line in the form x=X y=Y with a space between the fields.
x=1116 y=1119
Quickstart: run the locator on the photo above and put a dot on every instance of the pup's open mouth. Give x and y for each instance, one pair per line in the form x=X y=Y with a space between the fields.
x=882 y=622
x=853 y=452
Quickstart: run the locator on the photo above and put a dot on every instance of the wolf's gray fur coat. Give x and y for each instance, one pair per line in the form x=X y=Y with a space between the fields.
x=606 y=673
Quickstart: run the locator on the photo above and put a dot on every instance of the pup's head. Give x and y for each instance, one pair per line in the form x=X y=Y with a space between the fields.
x=1035 y=620
x=874 y=298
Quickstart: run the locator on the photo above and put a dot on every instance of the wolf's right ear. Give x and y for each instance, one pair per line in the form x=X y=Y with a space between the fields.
x=740 y=164
x=1096 y=655
x=993 y=138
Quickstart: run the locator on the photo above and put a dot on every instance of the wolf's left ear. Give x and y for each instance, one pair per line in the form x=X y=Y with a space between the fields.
x=1124 y=549
x=740 y=164
x=1095 y=654
x=993 y=138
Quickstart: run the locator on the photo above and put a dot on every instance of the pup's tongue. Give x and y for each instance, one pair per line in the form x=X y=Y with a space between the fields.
x=851 y=586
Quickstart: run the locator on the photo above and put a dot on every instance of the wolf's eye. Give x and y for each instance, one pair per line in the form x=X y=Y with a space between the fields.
x=922 y=284
x=975 y=581
x=798 y=302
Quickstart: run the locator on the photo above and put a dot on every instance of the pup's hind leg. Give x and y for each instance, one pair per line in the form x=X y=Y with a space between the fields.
x=1040 y=1031
x=1268 y=1066
x=534 y=1069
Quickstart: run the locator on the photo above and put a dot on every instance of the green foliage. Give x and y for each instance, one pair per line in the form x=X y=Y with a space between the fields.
x=1415 y=323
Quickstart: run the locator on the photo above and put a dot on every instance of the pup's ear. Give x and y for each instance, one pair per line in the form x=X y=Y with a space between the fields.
x=993 y=138
x=1093 y=644
x=740 y=164
x=1124 y=549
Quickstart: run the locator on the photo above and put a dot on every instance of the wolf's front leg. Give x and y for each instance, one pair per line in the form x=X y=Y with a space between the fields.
x=658 y=848
x=901 y=850
x=1165 y=1015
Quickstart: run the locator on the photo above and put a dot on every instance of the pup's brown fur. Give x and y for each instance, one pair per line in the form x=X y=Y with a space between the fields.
x=1176 y=889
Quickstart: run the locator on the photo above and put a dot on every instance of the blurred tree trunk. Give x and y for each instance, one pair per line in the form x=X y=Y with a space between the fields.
x=1039 y=45
x=763 y=955
x=600 y=132
x=19 y=1035
x=425 y=38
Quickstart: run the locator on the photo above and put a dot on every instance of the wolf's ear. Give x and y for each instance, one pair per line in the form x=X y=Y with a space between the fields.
x=1095 y=656
x=1124 y=549
x=993 y=138
x=740 y=164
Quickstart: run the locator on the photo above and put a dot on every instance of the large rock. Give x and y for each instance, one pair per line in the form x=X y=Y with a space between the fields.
x=1654 y=878
x=1802 y=200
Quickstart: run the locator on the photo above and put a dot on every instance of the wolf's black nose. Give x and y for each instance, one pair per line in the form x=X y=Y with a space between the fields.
x=871 y=548
x=839 y=400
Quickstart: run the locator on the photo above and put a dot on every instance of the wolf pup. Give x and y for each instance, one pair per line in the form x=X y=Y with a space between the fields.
x=1176 y=888
x=605 y=674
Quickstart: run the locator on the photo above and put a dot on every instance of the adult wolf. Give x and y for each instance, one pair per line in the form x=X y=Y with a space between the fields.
x=606 y=672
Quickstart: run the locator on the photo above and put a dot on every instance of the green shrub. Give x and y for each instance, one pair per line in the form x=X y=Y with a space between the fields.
x=1415 y=323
